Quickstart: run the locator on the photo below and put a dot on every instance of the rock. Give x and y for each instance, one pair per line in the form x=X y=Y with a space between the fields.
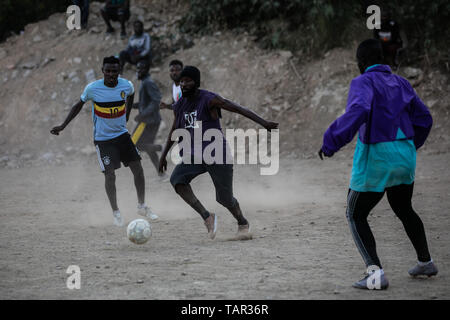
x=3 y=53
x=37 y=38
x=48 y=156
x=26 y=73
x=90 y=75
x=53 y=97
x=61 y=77
x=88 y=150
x=410 y=72
x=14 y=74
x=140 y=281
x=276 y=108
x=4 y=159
x=286 y=54
x=12 y=164
x=47 y=61
x=77 y=60
x=29 y=65
x=72 y=74
x=155 y=70
x=94 y=30
x=76 y=80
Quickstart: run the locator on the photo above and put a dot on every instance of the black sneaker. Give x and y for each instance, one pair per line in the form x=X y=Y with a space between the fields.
x=429 y=270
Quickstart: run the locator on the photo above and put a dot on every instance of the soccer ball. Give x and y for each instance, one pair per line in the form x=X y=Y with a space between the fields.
x=139 y=231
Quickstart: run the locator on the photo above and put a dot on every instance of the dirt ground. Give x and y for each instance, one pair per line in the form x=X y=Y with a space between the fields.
x=56 y=216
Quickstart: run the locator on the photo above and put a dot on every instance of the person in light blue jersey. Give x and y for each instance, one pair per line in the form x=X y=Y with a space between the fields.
x=112 y=100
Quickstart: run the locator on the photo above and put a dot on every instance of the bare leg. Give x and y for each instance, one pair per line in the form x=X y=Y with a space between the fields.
x=139 y=179
x=185 y=192
x=110 y=186
x=237 y=214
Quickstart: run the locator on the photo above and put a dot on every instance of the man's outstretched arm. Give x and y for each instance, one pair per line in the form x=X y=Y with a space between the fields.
x=72 y=114
x=219 y=102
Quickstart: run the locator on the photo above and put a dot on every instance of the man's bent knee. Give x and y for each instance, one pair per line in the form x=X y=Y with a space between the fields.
x=228 y=202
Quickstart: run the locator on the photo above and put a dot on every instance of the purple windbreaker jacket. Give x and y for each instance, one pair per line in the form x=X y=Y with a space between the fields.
x=383 y=102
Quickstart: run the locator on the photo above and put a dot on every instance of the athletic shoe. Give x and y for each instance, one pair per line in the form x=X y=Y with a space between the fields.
x=118 y=221
x=211 y=225
x=429 y=270
x=364 y=283
x=123 y=35
x=110 y=31
x=147 y=212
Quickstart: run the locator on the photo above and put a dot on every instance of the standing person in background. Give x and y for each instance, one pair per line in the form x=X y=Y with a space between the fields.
x=175 y=68
x=392 y=123
x=391 y=40
x=148 y=119
x=84 y=8
x=139 y=47
x=116 y=10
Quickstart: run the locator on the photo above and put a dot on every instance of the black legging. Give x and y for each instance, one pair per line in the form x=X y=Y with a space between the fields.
x=359 y=205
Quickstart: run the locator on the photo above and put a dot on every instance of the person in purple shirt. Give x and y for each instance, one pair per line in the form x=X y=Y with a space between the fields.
x=197 y=105
x=392 y=123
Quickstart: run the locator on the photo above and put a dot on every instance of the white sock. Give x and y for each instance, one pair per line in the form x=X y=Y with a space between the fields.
x=141 y=205
x=115 y=212
x=424 y=263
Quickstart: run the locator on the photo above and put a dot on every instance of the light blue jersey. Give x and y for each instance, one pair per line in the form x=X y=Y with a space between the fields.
x=385 y=164
x=108 y=107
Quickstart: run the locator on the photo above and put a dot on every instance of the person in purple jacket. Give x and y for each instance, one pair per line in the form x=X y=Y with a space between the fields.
x=195 y=112
x=392 y=123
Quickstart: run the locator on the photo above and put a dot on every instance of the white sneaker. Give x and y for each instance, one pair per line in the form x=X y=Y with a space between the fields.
x=118 y=221
x=145 y=211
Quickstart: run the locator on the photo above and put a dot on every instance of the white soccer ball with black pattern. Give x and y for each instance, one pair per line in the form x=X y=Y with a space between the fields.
x=139 y=231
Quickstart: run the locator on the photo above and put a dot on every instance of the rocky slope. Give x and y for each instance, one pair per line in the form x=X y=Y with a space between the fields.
x=44 y=70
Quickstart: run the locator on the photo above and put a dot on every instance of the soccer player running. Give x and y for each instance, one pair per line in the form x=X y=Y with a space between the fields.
x=148 y=118
x=175 y=68
x=194 y=106
x=392 y=123
x=112 y=100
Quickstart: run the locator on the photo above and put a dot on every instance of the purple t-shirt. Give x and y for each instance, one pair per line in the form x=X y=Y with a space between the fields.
x=188 y=114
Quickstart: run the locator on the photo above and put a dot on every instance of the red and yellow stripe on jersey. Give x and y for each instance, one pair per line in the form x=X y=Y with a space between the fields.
x=109 y=110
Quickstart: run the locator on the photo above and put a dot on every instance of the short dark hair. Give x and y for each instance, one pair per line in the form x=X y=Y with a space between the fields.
x=138 y=21
x=176 y=62
x=111 y=60
x=370 y=51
